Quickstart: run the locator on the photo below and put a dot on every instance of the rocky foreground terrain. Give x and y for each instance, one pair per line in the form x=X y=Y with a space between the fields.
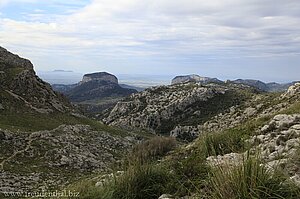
x=52 y=158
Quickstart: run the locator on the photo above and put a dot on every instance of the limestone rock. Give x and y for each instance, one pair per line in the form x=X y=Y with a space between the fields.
x=293 y=90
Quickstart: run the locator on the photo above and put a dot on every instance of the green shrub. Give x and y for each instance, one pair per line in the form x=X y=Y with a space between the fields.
x=250 y=180
x=221 y=143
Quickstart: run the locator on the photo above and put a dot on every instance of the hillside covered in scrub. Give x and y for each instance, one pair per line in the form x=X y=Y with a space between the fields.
x=249 y=151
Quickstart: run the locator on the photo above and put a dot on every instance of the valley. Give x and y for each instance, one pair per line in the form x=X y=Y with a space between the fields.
x=195 y=138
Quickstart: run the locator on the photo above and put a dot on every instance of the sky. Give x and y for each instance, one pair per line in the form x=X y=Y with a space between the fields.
x=227 y=39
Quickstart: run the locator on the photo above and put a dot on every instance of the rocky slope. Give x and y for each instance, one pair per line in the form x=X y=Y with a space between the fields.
x=277 y=143
x=20 y=88
x=52 y=158
x=161 y=109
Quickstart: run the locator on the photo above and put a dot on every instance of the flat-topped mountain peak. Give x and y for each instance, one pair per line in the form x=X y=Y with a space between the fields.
x=100 y=76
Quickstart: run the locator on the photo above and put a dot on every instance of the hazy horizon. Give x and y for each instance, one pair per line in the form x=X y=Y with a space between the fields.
x=59 y=76
x=227 y=39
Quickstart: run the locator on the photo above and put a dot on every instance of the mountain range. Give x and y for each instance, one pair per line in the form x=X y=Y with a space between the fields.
x=267 y=87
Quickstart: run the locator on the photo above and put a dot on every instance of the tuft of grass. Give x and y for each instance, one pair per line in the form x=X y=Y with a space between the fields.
x=191 y=174
x=151 y=149
x=221 y=143
x=139 y=181
x=251 y=179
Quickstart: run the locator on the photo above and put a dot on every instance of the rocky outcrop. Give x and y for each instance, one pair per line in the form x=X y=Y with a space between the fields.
x=194 y=78
x=39 y=160
x=161 y=109
x=100 y=76
x=20 y=87
x=292 y=90
x=275 y=144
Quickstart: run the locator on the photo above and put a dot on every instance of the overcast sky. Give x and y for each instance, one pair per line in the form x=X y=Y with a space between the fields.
x=219 y=38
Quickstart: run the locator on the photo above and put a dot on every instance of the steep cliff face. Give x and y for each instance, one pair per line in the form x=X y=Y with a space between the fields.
x=160 y=109
x=20 y=87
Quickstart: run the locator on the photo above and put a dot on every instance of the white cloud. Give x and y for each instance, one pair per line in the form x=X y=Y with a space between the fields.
x=134 y=28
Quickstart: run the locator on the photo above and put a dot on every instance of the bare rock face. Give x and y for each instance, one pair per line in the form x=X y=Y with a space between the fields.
x=101 y=76
x=20 y=85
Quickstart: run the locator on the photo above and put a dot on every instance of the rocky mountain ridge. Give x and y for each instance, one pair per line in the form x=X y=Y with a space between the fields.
x=267 y=87
x=160 y=109
x=194 y=78
x=21 y=88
